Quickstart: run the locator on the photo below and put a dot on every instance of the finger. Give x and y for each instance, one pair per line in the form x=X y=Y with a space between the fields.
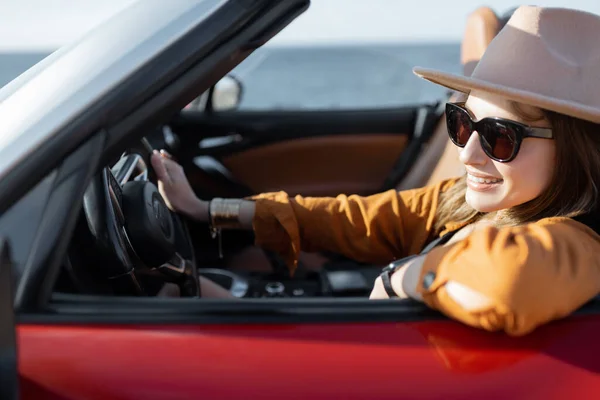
x=174 y=170
x=166 y=154
x=158 y=163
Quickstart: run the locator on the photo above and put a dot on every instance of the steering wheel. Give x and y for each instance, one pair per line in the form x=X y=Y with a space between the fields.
x=141 y=241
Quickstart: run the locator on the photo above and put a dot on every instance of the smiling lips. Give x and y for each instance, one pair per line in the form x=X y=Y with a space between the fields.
x=478 y=179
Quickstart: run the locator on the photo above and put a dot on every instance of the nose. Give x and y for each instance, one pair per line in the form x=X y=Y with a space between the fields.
x=472 y=153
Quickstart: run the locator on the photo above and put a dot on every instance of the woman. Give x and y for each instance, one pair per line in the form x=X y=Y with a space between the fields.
x=519 y=230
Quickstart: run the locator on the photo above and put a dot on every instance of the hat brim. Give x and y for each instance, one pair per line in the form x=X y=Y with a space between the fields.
x=466 y=84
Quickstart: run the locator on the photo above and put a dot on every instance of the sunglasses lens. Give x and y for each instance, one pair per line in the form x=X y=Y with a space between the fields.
x=459 y=126
x=499 y=140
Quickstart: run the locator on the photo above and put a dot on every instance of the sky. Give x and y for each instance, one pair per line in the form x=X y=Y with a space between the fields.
x=27 y=25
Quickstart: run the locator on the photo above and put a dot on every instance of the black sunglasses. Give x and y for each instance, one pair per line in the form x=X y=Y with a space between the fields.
x=500 y=138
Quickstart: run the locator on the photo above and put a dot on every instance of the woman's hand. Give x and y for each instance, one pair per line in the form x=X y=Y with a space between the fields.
x=175 y=188
x=404 y=281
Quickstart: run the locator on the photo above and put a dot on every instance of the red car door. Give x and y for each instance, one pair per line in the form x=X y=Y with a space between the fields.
x=166 y=349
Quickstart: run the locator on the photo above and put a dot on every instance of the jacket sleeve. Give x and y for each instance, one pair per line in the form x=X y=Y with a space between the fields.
x=376 y=229
x=530 y=274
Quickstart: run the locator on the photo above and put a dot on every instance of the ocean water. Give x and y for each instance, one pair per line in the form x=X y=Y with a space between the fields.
x=324 y=77
x=14 y=64
x=343 y=77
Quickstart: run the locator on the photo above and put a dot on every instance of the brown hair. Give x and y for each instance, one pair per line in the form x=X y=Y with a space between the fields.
x=573 y=189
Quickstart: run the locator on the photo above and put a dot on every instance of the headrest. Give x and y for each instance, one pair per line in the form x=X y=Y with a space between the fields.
x=482 y=26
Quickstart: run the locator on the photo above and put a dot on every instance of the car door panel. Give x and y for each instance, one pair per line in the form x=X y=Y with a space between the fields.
x=319 y=166
x=303 y=152
x=408 y=360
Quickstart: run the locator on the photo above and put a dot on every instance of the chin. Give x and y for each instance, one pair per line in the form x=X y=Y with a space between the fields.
x=482 y=202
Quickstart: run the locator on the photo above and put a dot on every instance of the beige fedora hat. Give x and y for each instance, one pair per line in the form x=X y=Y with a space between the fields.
x=545 y=57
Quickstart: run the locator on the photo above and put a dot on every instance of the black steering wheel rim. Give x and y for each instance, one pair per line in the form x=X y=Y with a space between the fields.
x=121 y=219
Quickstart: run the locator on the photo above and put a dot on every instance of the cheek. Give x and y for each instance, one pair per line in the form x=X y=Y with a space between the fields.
x=528 y=175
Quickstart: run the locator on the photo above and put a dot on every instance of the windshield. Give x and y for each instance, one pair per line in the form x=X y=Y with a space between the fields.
x=14 y=64
x=30 y=30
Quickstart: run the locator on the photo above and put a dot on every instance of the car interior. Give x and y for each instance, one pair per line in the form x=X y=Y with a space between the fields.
x=237 y=154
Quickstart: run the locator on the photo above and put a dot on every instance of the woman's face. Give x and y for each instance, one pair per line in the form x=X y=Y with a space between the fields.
x=518 y=181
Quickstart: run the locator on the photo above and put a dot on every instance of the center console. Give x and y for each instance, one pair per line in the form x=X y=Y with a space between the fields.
x=335 y=282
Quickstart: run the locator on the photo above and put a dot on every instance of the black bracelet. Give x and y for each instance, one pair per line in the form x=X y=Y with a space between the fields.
x=389 y=270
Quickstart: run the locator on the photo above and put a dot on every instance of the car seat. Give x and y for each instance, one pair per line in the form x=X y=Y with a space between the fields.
x=439 y=158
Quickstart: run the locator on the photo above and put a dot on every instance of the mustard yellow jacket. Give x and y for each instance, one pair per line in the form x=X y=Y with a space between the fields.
x=532 y=273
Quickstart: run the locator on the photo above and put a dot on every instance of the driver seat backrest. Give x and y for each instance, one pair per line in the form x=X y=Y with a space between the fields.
x=439 y=159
